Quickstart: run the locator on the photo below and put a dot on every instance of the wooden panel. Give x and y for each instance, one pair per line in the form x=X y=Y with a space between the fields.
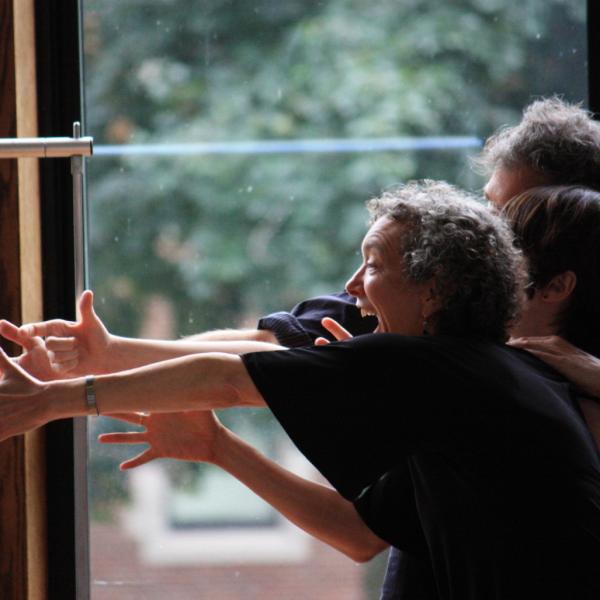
x=13 y=527
x=31 y=286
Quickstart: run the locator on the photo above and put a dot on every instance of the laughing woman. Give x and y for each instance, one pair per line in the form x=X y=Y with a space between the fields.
x=486 y=472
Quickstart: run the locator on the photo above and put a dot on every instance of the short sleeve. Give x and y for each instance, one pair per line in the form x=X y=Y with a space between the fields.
x=389 y=509
x=302 y=325
x=357 y=408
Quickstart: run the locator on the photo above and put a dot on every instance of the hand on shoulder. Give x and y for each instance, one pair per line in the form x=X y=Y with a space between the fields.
x=579 y=367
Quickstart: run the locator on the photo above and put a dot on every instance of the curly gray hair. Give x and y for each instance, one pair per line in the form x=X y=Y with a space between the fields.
x=559 y=140
x=468 y=250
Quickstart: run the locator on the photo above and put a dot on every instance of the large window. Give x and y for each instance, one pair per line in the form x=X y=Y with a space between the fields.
x=236 y=142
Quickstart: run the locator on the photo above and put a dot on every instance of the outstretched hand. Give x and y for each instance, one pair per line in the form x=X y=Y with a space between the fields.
x=35 y=358
x=577 y=366
x=21 y=404
x=74 y=348
x=335 y=329
x=188 y=435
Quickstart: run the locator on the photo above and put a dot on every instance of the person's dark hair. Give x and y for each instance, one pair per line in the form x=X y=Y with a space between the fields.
x=454 y=238
x=556 y=139
x=558 y=229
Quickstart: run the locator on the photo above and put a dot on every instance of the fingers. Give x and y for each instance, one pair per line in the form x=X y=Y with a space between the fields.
x=136 y=461
x=129 y=437
x=64 y=367
x=63 y=353
x=61 y=344
x=321 y=341
x=63 y=357
x=64 y=361
x=551 y=344
x=56 y=327
x=14 y=334
x=336 y=330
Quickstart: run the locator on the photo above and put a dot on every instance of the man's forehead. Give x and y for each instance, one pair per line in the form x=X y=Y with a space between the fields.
x=507 y=182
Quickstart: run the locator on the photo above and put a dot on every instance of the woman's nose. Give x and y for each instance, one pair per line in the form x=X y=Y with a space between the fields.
x=354 y=284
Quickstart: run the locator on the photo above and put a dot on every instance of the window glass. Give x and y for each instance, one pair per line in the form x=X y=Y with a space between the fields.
x=236 y=142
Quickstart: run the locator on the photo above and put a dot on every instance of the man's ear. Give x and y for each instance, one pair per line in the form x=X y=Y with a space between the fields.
x=559 y=288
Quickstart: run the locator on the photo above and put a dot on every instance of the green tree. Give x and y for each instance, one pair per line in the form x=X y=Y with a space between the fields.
x=225 y=237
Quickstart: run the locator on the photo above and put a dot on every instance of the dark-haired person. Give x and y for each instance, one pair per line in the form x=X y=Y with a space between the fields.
x=504 y=473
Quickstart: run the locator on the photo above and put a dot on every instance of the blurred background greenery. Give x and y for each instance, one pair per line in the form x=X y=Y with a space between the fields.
x=226 y=237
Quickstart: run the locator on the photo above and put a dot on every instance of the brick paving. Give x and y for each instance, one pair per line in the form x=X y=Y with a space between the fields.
x=117 y=574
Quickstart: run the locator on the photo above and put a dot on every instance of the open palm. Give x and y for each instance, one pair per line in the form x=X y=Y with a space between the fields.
x=183 y=435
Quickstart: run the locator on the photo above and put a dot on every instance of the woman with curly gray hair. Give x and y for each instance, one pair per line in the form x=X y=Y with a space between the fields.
x=438 y=438
x=449 y=239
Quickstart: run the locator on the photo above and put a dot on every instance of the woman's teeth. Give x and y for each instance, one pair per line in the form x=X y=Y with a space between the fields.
x=367 y=313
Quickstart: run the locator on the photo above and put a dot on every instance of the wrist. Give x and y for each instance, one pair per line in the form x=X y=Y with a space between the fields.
x=114 y=356
x=67 y=398
x=223 y=445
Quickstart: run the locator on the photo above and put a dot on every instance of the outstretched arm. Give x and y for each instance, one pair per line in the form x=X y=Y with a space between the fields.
x=200 y=381
x=234 y=335
x=199 y=436
x=86 y=347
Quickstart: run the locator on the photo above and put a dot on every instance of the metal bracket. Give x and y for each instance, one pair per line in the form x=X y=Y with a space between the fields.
x=54 y=147
x=74 y=148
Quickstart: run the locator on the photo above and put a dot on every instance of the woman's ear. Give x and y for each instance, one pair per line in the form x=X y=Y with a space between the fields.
x=431 y=300
x=559 y=288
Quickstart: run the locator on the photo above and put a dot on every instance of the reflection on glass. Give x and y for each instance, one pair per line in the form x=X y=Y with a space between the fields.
x=235 y=145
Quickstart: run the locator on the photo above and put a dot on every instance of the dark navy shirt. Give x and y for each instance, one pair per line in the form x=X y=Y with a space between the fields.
x=302 y=325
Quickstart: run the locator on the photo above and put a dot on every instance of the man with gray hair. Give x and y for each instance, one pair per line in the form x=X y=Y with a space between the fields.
x=554 y=144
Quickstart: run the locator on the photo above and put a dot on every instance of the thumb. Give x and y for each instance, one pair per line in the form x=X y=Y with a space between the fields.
x=86 y=305
x=8 y=366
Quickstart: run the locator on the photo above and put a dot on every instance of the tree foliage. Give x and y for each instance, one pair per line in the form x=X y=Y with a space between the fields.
x=227 y=237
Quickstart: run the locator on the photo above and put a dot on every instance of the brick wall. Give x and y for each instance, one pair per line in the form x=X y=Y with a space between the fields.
x=117 y=574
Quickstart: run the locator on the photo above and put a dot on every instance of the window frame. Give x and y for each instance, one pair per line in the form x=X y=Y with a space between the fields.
x=58 y=52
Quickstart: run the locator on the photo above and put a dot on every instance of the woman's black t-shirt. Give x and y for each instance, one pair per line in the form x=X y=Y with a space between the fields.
x=496 y=477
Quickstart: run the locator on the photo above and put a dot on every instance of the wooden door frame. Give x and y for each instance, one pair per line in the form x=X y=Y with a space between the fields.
x=40 y=96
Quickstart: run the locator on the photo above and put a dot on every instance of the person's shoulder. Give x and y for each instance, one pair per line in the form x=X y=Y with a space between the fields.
x=428 y=342
x=394 y=342
x=460 y=353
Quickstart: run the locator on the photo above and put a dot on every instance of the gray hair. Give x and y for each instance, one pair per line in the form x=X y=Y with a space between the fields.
x=450 y=236
x=558 y=140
